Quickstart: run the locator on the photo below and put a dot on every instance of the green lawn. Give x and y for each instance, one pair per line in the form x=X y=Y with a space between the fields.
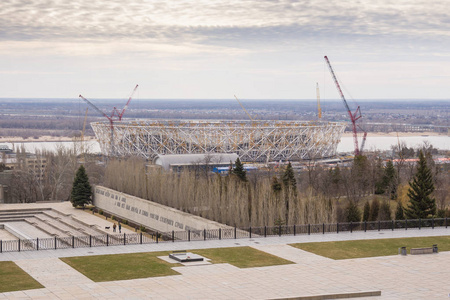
x=122 y=266
x=371 y=248
x=241 y=257
x=13 y=278
x=142 y=265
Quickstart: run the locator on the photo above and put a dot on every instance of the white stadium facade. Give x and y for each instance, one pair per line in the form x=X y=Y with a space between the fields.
x=253 y=141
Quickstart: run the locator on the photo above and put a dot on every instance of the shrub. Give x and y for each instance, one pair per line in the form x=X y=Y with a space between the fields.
x=443 y=213
x=124 y=221
x=113 y=218
x=100 y=212
x=142 y=228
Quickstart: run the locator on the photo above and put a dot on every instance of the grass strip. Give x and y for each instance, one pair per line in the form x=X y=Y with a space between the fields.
x=241 y=257
x=13 y=278
x=372 y=248
x=121 y=266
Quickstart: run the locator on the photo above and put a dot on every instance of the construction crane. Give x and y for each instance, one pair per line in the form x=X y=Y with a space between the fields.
x=119 y=115
x=353 y=116
x=318 y=101
x=243 y=108
x=116 y=115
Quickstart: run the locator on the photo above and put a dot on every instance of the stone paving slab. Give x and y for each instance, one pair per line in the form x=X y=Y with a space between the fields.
x=219 y=281
x=5 y=235
x=398 y=277
x=169 y=246
x=293 y=254
x=52 y=272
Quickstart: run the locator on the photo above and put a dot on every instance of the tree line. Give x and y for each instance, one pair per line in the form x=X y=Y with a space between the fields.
x=367 y=189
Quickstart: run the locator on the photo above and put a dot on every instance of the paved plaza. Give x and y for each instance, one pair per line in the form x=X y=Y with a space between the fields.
x=396 y=277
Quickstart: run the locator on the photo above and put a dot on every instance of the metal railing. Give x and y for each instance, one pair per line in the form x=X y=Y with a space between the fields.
x=212 y=234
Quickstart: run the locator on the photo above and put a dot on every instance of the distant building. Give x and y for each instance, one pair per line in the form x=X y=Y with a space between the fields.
x=11 y=162
x=207 y=162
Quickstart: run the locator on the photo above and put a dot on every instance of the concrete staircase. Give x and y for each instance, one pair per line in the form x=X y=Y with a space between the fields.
x=45 y=223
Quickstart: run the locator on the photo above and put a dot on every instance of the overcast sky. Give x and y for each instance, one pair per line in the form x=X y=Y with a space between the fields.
x=254 y=49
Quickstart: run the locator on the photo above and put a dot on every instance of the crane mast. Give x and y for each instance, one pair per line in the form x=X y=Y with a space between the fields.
x=353 y=116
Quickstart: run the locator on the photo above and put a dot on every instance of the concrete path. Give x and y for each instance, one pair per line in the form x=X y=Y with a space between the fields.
x=293 y=254
x=397 y=277
x=52 y=272
x=169 y=246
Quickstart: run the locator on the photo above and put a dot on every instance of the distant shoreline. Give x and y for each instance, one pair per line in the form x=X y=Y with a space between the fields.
x=47 y=138
x=400 y=134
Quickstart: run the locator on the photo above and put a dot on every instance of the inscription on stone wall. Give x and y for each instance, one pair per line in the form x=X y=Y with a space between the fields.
x=121 y=202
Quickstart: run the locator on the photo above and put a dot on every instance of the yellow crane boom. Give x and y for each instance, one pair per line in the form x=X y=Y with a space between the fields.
x=318 y=101
x=243 y=108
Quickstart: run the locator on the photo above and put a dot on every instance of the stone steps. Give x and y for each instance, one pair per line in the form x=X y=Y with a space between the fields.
x=47 y=228
x=50 y=222
x=21 y=211
x=59 y=225
x=4 y=219
x=78 y=225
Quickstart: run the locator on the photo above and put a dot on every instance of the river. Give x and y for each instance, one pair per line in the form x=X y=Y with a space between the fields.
x=381 y=143
x=384 y=143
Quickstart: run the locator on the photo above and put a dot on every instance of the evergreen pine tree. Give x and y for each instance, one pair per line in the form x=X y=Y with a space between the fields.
x=388 y=181
x=374 y=210
x=239 y=170
x=385 y=211
x=336 y=180
x=81 y=189
x=290 y=188
x=380 y=183
x=366 y=212
x=390 y=175
x=336 y=177
x=352 y=213
x=276 y=185
x=399 y=212
x=360 y=171
x=289 y=178
x=421 y=205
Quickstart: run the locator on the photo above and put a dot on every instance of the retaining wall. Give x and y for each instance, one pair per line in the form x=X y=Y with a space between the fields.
x=149 y=214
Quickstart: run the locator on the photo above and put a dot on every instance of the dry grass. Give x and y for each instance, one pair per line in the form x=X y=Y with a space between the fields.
x=241 y=257
x=372 y=248
x=121 y=266
x=13 y=278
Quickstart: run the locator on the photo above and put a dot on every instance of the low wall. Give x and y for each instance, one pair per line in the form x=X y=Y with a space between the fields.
x=149 y=214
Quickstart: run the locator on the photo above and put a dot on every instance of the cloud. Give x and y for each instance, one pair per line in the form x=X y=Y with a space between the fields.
x=231 y=20
x=247 y=43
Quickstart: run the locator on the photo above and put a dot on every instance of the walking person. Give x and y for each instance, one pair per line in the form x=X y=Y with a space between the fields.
x=114 y=227
x=120 y=227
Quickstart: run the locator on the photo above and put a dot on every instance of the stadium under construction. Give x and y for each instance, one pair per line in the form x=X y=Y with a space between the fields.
x=253 y=141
